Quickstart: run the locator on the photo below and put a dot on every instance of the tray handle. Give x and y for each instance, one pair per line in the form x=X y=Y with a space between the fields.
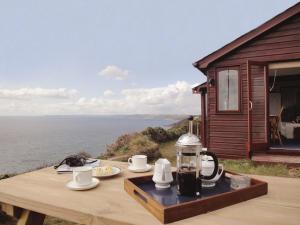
x=143 y=198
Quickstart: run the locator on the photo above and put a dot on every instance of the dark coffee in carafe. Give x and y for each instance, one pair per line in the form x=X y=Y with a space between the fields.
x=187 y=184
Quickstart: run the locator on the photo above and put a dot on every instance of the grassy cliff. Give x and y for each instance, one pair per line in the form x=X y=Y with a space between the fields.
x=147 y=142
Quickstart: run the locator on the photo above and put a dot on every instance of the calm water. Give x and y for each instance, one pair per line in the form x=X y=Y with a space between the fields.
x=30 y=142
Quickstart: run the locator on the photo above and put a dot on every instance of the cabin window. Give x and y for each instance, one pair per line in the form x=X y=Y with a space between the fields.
x=228 y=90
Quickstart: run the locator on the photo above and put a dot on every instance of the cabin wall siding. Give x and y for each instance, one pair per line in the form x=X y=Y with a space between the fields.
x=228 y=133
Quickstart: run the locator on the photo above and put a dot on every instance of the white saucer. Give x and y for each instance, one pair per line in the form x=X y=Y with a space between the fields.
x=73 y=186
x=138 y=170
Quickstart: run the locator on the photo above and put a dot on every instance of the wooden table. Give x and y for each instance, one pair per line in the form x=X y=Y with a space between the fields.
x=32 y=195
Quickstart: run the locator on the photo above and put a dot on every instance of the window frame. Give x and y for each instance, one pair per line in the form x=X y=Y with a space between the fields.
x=238 y=111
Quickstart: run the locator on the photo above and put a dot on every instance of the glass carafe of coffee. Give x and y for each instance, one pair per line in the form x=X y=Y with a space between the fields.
x=189 y=153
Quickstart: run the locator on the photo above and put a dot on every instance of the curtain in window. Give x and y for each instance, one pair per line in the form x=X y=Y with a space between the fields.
x=228 y=90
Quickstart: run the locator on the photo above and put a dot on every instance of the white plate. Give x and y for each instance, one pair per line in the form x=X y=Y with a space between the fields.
x=115 y=171
x=73 y=186
x=135 y=170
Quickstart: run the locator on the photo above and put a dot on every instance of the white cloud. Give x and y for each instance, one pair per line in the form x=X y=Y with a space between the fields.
x=114 y=72
x=108 y=93
x=172 y=99
x=158 y=96
x=27 y=93
x=175 y=98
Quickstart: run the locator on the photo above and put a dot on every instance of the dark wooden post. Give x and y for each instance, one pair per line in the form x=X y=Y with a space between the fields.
x=203 y=119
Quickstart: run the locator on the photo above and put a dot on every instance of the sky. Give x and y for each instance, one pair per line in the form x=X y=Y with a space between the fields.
x=62 y=57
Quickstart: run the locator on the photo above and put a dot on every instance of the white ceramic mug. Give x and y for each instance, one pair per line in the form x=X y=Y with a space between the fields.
x=82 y=176
x=162 y=176
x=138 y=161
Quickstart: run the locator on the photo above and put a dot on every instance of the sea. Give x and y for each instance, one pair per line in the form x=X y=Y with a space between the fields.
x=27 y=143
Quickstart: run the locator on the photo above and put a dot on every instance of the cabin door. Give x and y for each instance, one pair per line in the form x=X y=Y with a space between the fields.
x=258 y=106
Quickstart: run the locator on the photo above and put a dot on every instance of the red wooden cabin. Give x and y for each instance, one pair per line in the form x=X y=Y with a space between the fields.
x=251 y=100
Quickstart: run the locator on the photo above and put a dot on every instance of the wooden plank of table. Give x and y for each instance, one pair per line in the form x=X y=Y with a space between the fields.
x=23 y=216
x=11 y=210
x=44 y=191
x=31 y=218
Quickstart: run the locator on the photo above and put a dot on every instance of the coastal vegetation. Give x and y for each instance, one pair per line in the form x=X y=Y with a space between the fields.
x=147 y=142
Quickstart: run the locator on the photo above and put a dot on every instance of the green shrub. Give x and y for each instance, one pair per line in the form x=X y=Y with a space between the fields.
x=175 y=133
x=132 y=144
x=142 y=144
x=160 y=135
x=157 y=134
x=120 y=145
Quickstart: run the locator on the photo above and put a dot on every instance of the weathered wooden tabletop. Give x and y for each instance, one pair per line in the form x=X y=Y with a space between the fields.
x=44 y=191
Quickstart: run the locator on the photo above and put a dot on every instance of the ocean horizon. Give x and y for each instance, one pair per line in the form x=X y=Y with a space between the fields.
x=29 y=142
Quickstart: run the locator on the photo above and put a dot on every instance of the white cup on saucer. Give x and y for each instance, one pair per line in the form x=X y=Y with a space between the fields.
x=138 y=162
x=162 y=176
x=82 y=176
x=82 y=179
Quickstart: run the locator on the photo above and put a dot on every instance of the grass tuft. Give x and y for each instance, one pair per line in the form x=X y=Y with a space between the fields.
x=250 y=167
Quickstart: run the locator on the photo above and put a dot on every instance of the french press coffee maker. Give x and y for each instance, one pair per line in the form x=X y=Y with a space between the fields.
x=189 y=154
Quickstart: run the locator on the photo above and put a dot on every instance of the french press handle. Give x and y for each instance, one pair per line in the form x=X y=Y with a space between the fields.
x=216 y=163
